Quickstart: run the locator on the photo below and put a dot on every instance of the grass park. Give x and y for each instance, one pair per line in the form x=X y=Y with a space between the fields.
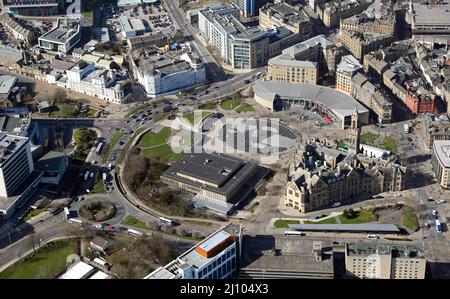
x=360 y=216
x=65 y=108
x=331 y=220
x=155 y=146
x=368 y=138
x=48 y=262
x=245 y=108
x=230 y=104
x=189 y=116
x=283 y=223
x=131 y=221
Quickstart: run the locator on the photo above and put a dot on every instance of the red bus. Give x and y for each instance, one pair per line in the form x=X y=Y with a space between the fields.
x=327 y=119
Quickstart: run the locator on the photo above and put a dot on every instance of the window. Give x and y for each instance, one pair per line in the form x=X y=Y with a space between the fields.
x=209 y=268
x=233 y=250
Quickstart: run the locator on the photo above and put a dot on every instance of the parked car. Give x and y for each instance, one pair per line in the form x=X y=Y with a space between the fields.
x=336 y=204
x=372 y=237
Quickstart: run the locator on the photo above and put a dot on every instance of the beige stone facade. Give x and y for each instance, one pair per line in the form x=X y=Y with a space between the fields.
x=361 y=43
x=288 y=71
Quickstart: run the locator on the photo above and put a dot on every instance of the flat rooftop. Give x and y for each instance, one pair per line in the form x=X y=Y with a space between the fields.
x=397 y=250
x=387 y=228
x=64 y=31
x=9 y=145
x=7 y=202
x=441 y=149
x=6 y=83
x=349 y=64
x=431 y=14
x=336 y=101
x=283 y=254
x=78 y=271
x=307 y=44
x=286 y=60
x=216 y=172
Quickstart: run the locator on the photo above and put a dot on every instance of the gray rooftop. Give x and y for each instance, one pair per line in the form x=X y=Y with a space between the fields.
x=431 y=14
x=286 y=60
x=397 y=250
x=307 y=44
x=50 y=161
x=64 y=31
x=342 y=104
x=9 y=144
x=364 y=227
x=441 y=149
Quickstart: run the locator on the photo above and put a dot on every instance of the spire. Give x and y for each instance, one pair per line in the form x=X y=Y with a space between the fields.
x=355 y=111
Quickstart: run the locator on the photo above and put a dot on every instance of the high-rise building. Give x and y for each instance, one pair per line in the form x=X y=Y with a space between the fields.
x=17 y=175
x=216 y=257
x=35 y=8
x=440 y=161
x=250 y=8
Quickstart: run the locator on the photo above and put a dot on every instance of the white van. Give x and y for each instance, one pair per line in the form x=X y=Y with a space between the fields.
x=372 y=237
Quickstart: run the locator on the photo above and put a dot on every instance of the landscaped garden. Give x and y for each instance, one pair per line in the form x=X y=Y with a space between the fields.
x=367 y=138
x=46 y=263
x=97 y=211
x=154 y=145
x=282 y=223
x=65 y=108
x=131 y=221
x=84 y=140
x=354 y=217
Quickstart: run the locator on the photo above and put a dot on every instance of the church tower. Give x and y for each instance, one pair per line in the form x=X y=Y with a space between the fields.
x=353 y=136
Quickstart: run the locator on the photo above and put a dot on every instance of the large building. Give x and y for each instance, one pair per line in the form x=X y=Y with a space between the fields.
x=86 y=78
x=321 y=174
x=216 y=257
x=250 y=8
x=63 y=37
x=372 y=97
x=131 y=27
x=220 y=182
x=53 y=165
x=429 y=20
x=331 y=12
x=34 y=8
x=371 y=21
x=18 y=30
x=345 y=71
x=336 y=105
x=18 y=179
x=284 y=69
x=440 y=161
x=361 y=43
x=384 y=261
x=280 y=257
x=284 y=15
x=159 y=74
x=434 y=128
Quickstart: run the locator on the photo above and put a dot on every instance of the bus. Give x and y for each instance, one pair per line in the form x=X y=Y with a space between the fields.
x=406 y=127
x=134 y=232
x=327 y=119
x=67 y=213
x=75 y=221
x=438 y=226
x=99 y=148
x=165 y=220
x=293 y=233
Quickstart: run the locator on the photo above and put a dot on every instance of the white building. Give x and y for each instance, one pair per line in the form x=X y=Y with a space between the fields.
x=80 y=270
x=17 y=175
x=97 y=82
x=215 y=257
x=373 y=152
x=131 y=27
x=159 y=74
x=63 y=37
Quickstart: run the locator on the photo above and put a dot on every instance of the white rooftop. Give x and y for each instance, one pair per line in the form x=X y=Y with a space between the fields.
x=442 y=151
x=213 y=241
x=349 y=64
x=78 y=271
x=286 y=60
x=100 y=275
x=431 y=14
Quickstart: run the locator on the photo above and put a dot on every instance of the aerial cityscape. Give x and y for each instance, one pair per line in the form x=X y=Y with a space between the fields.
x=225 y=139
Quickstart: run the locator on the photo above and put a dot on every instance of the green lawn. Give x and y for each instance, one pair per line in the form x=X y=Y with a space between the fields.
x=208 y=106
x=108 y=148
x=131 y=221
x=230 y=104
x=189 y=116
x=84 y=139
x=367 y=138
x=245 y=108
x=33 y=213
x=48 y=262
x=362 y=217
x=331 y=220
x=409 y=218
x=389 y=144
x=65 y=109
x=341 y=144
x=281 y=223
x=92 y=113
x=159 y=149
x=160 y=116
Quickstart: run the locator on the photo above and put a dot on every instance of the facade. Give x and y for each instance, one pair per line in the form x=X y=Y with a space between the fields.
x=219 y=181
x=97 y=82
x=419 y=99
x=216 y=257
x=18 y=180
x=159 y=74
x=284 y=15
x=361 y=43
x=333 y=11
x=384 y=261
x=250 y=8
x=284 y=69
x=147 y=40
x=440 y=161
x=318 y=49
x=34 y=8
x=281 y=257
x=321 y=175
x=54 y=166
x=336 y=105
x=345 y=71
x=18 y=31
x=372 y=97
x=368 y=22
x=435 y=128
x=63 y=37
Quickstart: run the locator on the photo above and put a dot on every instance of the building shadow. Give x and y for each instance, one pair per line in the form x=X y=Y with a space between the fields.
x=22 y=231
